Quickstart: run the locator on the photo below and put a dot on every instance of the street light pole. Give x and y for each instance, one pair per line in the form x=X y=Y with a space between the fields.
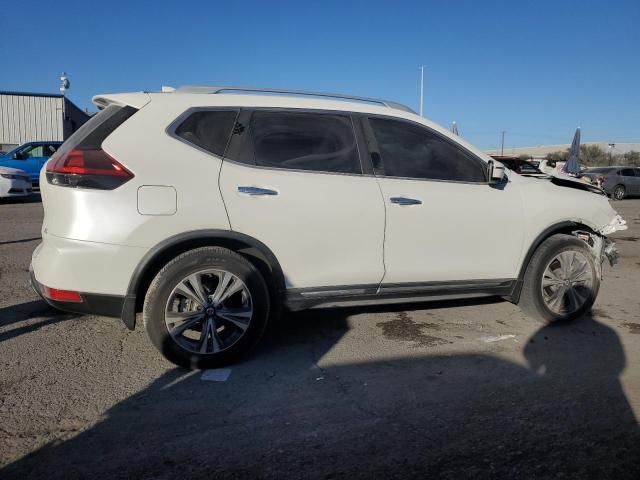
x=64 y=86
x=502 y=148
x=421 y=90
x=611 y=147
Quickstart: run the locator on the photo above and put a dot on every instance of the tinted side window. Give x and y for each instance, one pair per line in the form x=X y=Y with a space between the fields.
x=50 y=150
x=305 y=141
x=627 y=172
x=208 y=129
x=408 y=150
x=33 y=151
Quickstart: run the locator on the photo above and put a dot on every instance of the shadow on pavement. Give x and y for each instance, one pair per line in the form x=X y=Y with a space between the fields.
x=33 y=198
x=39 y=309
x=562 y=415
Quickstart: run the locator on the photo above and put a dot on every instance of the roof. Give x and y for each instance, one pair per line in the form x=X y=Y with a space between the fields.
x=31 y=94
x=212 y=89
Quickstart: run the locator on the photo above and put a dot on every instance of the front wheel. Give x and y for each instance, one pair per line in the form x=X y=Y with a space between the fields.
x=206 y=308
x=561 y=282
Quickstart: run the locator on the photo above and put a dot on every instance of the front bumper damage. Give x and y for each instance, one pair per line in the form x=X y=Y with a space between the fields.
x=601 y=247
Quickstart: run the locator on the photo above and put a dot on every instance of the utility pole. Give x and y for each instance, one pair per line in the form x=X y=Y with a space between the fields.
x=502 y=149
x=421 y=90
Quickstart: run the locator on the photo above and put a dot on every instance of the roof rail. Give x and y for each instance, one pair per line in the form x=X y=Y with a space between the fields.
x=220 y=89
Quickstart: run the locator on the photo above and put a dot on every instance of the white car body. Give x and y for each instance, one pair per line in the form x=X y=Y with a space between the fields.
x=14 y=183
x=328 y=232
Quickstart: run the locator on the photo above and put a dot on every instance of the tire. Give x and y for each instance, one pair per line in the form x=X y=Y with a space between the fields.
x=619 y=192
x=215 y=327
x=556 y=301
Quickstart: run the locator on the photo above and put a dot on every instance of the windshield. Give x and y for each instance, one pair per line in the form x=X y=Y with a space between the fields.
x=11 y=152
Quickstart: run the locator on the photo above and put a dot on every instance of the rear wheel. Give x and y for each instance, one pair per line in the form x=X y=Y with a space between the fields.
x=619 y=192
x=561 y=282
x=206 y=308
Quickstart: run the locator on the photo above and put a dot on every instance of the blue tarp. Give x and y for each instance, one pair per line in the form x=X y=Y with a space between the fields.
x=572 y=167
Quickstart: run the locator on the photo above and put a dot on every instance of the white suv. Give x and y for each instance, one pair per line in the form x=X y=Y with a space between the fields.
x=208 y=208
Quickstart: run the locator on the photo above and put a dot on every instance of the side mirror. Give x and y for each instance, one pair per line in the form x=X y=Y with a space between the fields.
x=18 y=156
x=495 y=172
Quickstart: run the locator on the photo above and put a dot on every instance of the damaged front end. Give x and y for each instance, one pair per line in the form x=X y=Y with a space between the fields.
x=600 y=246
x=572 y=182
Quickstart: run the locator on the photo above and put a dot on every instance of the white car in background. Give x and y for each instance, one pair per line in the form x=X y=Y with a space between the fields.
x=207 y=209
x=14 y=183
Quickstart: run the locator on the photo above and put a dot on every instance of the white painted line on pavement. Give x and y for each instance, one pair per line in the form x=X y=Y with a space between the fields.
x=216 y=375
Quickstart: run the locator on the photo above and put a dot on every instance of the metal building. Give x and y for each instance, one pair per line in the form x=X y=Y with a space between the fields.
x=26 y=117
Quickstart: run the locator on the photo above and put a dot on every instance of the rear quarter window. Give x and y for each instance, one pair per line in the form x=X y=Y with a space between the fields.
x=208 y=129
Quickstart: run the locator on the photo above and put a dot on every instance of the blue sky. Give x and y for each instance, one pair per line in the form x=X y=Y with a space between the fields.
x=535 y=69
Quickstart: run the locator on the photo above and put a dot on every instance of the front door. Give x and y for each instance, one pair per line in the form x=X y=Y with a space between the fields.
x=31 y=158
x=294 y=181
x=445 y=223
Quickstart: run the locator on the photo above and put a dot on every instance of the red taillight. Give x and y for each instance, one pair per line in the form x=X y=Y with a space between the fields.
x=61 y=295
x=87 y=168
x=88 y=162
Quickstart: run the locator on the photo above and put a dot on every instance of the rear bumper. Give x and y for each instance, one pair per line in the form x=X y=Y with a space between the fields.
x=92 y=303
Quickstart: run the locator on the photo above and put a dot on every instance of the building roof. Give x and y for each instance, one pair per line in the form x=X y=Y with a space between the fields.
x=44 y=95
x=30 y=94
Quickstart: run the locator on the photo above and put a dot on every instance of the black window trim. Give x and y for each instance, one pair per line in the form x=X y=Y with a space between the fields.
x=250 y=111
x=372 y=142
x=173 y=126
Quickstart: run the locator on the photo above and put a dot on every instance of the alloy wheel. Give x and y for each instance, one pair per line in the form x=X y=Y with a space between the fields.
x=567 y=282
x=619 y=192
x=208 y=311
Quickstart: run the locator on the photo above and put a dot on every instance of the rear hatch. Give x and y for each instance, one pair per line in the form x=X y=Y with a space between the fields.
x=77 y=181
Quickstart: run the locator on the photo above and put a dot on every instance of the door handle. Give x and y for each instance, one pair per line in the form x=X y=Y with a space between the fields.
x=405 y=201
x=256 y=191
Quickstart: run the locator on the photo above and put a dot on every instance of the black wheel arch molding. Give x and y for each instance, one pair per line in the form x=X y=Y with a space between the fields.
x=256 y=252
x=267 y=263
x=562 y=227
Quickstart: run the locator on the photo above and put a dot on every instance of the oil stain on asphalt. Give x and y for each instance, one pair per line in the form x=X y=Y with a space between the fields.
x=598 y=313
x=403 y=328
x=633 y=327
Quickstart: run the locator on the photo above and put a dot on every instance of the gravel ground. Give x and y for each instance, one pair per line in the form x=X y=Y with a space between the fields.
x=446 y=390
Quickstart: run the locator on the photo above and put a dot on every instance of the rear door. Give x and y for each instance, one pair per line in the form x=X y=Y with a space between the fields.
x=629 y=180
x=48 y=149
x=294 y=180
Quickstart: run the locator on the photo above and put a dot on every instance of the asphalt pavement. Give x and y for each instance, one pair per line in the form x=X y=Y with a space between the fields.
x=470 y=389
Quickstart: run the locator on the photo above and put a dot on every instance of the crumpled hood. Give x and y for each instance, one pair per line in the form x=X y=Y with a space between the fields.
x=562 y=199
x=572 y=182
